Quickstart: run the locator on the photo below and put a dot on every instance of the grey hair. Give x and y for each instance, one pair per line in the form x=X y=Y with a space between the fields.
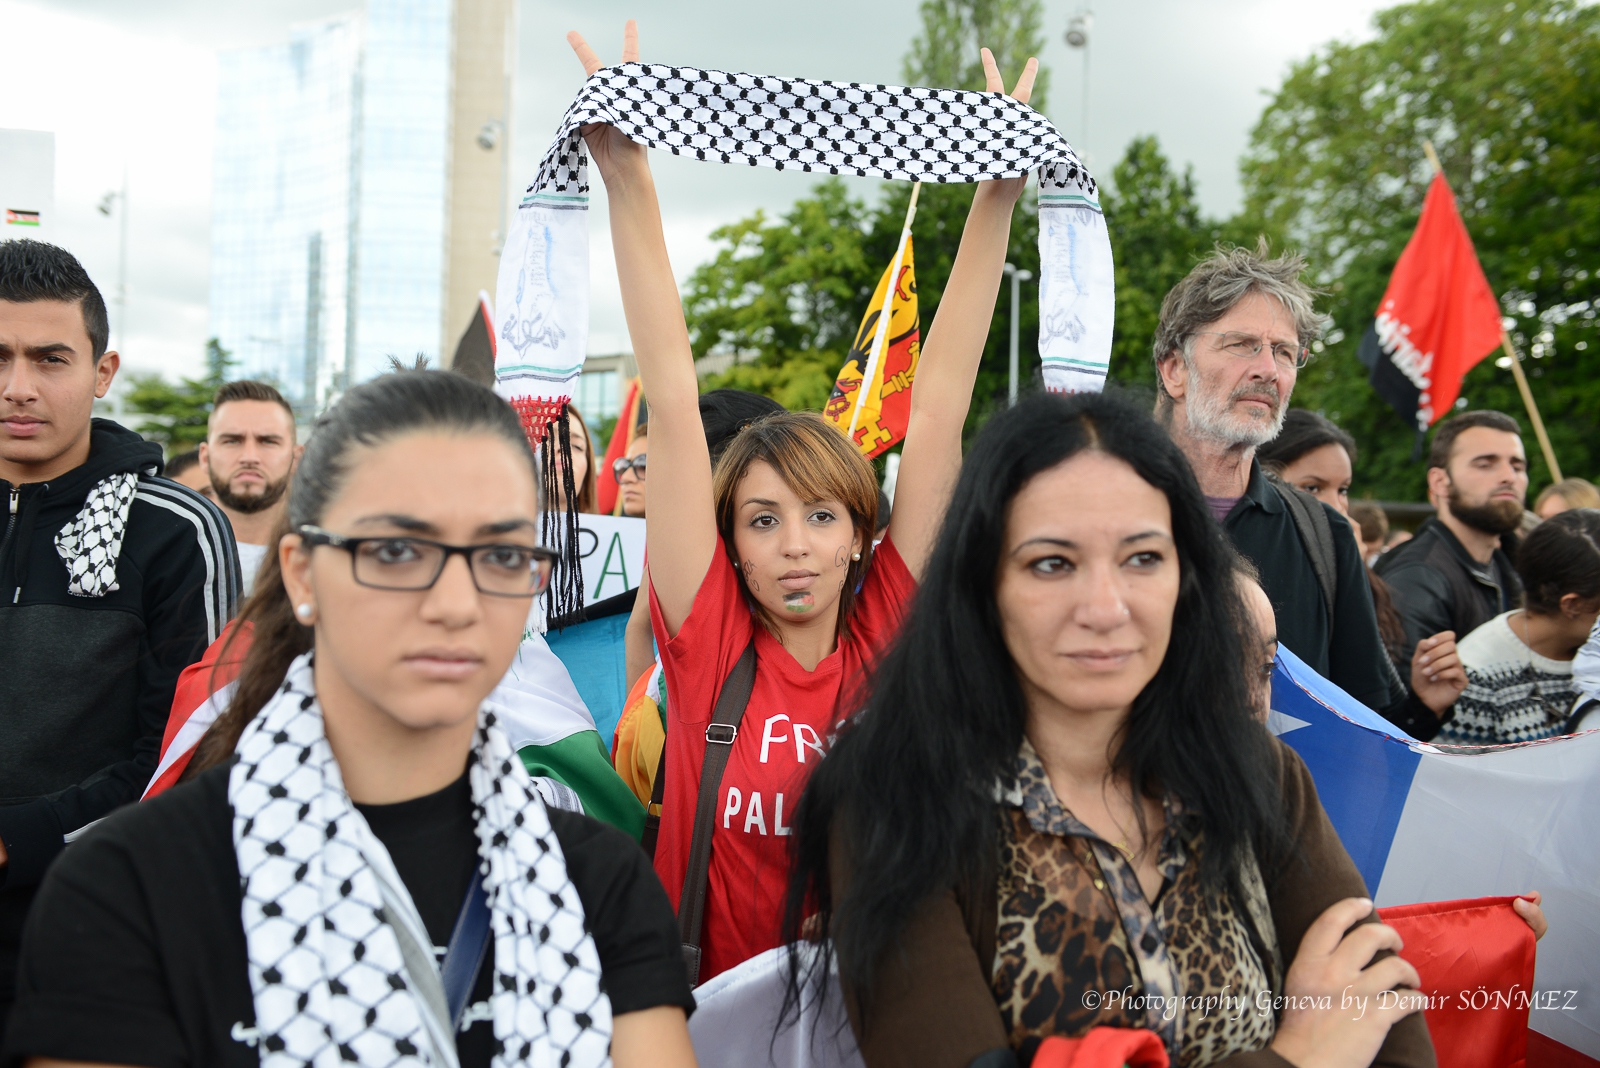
x=1221 y=281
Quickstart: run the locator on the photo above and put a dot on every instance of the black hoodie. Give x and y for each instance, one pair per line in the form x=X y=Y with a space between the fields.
x=86 y=683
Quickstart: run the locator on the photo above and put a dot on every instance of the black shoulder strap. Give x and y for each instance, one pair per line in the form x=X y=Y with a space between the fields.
x=469 y=943
x=652 y=812
x=1312 y=523
x=720 y=736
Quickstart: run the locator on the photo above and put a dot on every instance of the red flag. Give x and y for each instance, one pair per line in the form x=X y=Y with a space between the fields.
x=196 y=704
x=1437 y=319
x=1476 y=963
x=621 y=438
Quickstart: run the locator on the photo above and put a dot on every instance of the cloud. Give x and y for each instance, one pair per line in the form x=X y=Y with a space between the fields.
x=119 y=83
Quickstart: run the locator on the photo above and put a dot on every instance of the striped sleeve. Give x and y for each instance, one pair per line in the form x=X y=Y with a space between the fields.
x=214 y=536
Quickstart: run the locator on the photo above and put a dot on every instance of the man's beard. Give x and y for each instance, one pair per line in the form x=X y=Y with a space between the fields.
x=1211 y=417
x=251 y=503
x=1490 y=517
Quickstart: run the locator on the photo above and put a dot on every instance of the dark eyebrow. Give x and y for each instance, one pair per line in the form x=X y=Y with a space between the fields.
x=505 y=526
x=762 y=501
x=414 y=525
x=51 y=349
x=404 y=522
x=1065 y=544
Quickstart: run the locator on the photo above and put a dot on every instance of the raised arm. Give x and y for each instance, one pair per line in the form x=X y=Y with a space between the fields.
x=931 y=457
x=681 y=534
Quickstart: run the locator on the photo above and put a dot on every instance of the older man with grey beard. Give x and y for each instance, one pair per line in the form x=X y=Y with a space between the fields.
x=1232 y=337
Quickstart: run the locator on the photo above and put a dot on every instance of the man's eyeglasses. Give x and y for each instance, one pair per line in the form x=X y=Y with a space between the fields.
x=391 y=563
x=620 y=467
x=1248 y=346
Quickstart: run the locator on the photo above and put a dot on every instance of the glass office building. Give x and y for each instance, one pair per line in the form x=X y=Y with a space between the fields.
x=330 y=199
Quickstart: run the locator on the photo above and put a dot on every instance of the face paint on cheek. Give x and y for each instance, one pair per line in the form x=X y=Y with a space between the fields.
x=798 y=601
x=841 y=558
x=750 y=576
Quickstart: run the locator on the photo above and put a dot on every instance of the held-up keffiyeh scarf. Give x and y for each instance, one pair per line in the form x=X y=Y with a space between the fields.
x=91 y=543
x=340 y=962
x=910 y=134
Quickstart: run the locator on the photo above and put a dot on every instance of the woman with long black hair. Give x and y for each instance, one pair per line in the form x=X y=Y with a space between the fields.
x=360 y=803
x=1057 y=811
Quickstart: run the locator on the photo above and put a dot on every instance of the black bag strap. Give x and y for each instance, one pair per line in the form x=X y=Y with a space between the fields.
x=1312 y=523
x=652 y=812
x=463 y=957
x=720 y=735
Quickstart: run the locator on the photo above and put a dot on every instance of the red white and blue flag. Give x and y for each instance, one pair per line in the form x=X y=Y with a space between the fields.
x=1426 y=824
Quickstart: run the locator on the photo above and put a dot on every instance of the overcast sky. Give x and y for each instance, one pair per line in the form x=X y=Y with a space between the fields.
x=131 y=84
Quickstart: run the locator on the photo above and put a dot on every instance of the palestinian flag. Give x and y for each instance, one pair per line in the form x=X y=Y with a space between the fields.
x=18 y=217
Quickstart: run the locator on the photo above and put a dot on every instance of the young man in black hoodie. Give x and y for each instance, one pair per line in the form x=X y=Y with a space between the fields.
x=112 y=581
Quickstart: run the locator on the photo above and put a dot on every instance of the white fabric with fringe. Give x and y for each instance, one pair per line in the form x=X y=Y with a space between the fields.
x=908 y=134
x=329 y=925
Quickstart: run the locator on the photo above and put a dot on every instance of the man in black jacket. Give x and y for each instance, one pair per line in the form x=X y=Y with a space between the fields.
x=1229 y=345
x=1455 y=574
x=112 y=581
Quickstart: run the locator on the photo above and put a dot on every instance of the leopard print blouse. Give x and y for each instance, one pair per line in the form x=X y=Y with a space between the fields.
x=1079 y=946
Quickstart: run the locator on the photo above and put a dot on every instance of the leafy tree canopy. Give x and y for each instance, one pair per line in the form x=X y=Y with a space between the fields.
x=1157 y=236
x=1509 y=93
x=177 y=412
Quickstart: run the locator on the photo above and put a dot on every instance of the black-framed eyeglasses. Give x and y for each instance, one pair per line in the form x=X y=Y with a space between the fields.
x=1248 y=346
x=403 y=563
x=620 y=467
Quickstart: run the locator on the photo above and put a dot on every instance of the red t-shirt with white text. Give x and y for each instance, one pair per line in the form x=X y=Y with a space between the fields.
x=790 y=715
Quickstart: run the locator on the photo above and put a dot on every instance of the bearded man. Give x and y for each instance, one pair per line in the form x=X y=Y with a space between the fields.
x=1455 y=573
x=1231 y=340
x=249 y=455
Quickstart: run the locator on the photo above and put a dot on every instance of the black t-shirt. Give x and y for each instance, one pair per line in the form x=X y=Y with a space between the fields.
x=135 y=951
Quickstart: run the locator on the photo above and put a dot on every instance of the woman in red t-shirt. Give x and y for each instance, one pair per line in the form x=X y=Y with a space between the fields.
x=777 y=547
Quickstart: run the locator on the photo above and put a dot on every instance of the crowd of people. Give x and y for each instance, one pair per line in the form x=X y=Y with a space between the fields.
x=1002 y=753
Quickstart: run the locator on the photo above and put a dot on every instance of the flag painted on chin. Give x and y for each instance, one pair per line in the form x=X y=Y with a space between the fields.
x=1431 y=824
x=1437 y=319
x=874 y=413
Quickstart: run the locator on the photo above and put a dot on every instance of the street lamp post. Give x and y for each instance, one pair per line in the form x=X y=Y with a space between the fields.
x=1078 y=37
x=1017 y=278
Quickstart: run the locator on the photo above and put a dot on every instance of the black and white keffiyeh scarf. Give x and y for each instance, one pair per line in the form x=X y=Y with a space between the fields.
x=340 y=962
x=910 y=134
x=91 y=543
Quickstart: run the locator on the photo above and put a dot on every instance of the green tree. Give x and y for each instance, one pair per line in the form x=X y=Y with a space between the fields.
x=1509 y=93
x=177 y=412
x=1157 y=235
x=784 y=296
x=944 y=54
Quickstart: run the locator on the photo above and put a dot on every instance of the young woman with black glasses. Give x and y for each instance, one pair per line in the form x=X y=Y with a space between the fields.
x=362 y=870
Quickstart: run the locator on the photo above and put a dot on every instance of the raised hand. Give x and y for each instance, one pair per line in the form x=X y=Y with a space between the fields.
x=1339 y=1007
x=609 y=147
x=1009 y=187
x=1437 y=677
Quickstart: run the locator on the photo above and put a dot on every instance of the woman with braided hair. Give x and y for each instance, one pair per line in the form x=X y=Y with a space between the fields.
x=772 y=555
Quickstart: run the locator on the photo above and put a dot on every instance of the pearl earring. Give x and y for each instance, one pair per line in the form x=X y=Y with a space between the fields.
x=304 y=612
x=855 y=556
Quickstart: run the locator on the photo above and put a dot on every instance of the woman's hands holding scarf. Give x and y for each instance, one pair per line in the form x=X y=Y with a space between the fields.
x=610 y=149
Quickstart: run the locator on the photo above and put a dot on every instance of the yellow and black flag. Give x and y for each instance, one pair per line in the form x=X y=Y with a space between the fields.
x=884 y=356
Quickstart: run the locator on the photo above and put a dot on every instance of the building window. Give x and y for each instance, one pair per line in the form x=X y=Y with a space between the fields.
x=597 y=397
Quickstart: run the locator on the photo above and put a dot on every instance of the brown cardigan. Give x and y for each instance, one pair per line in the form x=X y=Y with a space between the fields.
x=934 y=1008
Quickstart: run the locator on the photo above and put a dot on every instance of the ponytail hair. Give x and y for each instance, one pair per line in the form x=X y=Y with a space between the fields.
x=370 y=415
